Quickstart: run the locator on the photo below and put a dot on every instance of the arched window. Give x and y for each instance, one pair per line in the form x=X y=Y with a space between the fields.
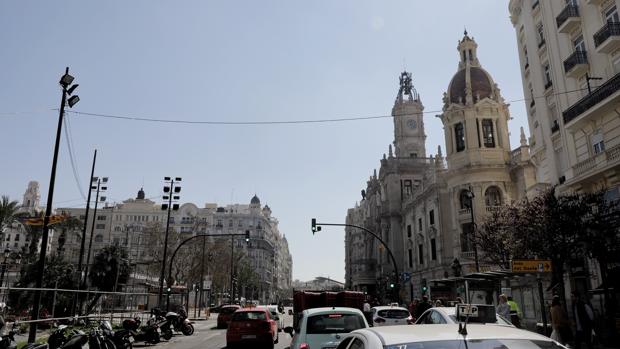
x=464 y=199
x=459 y=134
x=98 y=238
x=493 y=196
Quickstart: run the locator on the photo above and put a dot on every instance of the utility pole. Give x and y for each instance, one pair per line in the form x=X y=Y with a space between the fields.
x=169 y=190
x=83 y=242
x=65 y=81
x=99 y=189
x=232 y=269
x=473 y=226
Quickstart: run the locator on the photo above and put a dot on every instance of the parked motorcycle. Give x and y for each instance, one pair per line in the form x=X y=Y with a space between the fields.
x=180 y=323
x=157 y=315
x=123 y=339
x=151 y=333
x=66 y=338
x=8 y=341
x=98 y=340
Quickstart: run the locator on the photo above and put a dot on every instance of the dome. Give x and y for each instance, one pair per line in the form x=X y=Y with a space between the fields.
x=140 y=194
x=481 y=85
x=255 y=200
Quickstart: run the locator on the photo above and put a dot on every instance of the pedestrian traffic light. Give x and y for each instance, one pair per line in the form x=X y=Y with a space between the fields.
x=391 y=285
x=315 y=228
x=424 y=289
x=169 y=289
x=247 y=236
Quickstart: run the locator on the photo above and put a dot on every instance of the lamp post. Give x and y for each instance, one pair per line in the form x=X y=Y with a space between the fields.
x=67 y=90
x=169 y=190
x=471 y=196
x=99 y=189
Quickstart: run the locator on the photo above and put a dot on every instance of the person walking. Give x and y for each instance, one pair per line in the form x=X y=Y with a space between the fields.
x=559 y=322
x=584 y=320
x=367 y=312
x=515 y=312
x=503 y=308
x=422 y=307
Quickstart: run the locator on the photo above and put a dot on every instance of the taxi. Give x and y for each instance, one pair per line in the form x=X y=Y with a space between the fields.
x=448 y=336
x=251 y=327
x=323 y=328
x=390 y=315
x=448 y=315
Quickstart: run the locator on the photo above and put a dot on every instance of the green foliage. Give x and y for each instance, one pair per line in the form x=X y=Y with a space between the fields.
x=110 y=268
x=8 y=209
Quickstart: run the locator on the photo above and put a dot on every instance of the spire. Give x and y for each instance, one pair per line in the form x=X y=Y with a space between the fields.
x=390 y=151
x=523 y=138
x=140 y=194
x=439 y=151
x=406 y=88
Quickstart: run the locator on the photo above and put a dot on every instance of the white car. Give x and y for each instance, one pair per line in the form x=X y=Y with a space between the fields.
x=447 y=315
x=477 y=336
x=323 y=328
x=273 y=309
x=390 y=315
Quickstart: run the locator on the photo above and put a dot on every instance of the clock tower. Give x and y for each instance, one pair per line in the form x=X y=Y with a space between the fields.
x=409 y=137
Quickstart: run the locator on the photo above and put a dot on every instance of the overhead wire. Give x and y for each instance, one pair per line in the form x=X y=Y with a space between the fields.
x=281 y=122
x=69 y=139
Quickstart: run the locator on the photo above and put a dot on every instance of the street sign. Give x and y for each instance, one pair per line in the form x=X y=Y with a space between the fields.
x=531 y=266
x=405 y=276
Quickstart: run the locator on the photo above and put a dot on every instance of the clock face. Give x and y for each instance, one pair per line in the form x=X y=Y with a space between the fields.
x=412 y=124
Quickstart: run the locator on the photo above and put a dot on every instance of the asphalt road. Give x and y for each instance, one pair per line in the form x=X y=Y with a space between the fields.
x=207 y=336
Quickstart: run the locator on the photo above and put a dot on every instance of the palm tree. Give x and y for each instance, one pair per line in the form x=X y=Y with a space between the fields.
x=8 y=209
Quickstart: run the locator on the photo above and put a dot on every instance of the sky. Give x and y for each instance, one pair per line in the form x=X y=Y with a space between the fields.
x=235 y=61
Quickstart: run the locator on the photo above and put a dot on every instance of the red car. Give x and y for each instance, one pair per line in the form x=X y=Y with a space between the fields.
x=252 y=326
x=225 y=315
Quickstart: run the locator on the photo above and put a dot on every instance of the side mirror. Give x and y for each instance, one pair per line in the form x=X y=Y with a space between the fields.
x=289 y=330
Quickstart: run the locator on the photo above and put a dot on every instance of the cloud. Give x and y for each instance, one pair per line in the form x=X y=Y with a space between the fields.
x=377 y=23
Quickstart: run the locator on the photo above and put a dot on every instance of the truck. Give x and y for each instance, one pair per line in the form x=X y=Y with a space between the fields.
x=303 y=300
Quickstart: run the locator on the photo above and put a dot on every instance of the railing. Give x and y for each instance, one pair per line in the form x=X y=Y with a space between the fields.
x=613 y=154
x=567 y=12
x=515 y=155
x=578 y=57
x=585 y=166
x=492 y=208
x=609 y=29
x=605 y=90
x=467 y=255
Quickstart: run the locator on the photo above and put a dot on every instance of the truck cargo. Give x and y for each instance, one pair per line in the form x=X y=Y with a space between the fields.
x=303 y=300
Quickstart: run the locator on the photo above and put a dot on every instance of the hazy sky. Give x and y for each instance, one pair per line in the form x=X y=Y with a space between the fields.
x=235 y=61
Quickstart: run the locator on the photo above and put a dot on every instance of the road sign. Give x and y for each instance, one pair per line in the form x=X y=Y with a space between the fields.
x=405 y=276
x=531 y=266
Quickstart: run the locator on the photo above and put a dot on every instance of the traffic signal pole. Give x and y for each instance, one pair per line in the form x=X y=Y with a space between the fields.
x=317 y=227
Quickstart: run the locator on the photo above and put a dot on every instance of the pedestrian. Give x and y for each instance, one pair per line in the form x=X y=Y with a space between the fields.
x=559 y=322
x=412 y=307
x=438 y=303
x=367 y=312
x=515 y=312
x=583 y=318
x=503 y=308
x=459 y=300
x=422 y=307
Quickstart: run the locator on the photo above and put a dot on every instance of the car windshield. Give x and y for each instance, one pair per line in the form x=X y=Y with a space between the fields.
x=249 y=315
x=228 y=310
x=478 y=344
x=498 y=320
x=334 y=323
x=393 y=313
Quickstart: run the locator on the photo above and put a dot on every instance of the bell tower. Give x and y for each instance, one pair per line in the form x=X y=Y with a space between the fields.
x=409 y=136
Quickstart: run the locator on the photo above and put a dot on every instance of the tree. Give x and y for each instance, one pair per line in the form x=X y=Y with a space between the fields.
x=8 y=209
x=109 y=272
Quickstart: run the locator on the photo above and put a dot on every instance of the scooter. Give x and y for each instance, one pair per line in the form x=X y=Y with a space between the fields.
x=8 y=341
x=123 y=339
x=180 y=323
x=151 y=333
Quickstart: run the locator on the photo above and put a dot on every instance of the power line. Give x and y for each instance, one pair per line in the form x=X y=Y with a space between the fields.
x=69 y=140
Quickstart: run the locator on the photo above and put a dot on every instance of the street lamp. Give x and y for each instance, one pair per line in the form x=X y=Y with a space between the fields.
x=170 y=189
x=470 y=195
x=100 y=185
x=65 y=81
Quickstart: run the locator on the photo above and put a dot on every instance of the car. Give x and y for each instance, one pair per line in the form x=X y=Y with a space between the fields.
x=447 y=315
x=273 y=309
x=251 y=327
x=447 y=336
x=225 y=314
x=390 y=315
x=322 y=328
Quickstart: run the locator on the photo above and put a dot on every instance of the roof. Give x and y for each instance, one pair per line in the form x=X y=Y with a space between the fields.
x=384 y=307
x=328 y=310
x=406 y=333
x=252 y=309
x=481 y=85
x=255 y=200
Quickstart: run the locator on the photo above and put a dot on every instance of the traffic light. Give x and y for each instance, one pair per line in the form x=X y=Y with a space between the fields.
x=315 y=228
x=169 y=290
x=424 y=289
x=391 y=285
x=247 y=236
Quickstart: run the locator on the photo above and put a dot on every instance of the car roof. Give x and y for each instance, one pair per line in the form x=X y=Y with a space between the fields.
x=231 y=306
x=252 y=309
x=329 y=310
x=390 y=335
x=445 y=310
x=384 y=307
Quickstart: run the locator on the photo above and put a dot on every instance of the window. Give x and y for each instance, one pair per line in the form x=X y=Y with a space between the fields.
x=541 y=34
x=16 y=237
x=465 y=200
x=100 y=226
x=579 y=44
x=431 y=217
x=410 y=258
x=117 y=228
x=433 y=250
x=98 y=238
x=421 y=254
x=611 y=15
x=230 y=223
x=527 y=59
x=420 y=224
x=408 y=187
x=547 y=75
x=408 y=230
x=597 y=142
x=459 y=134
x=466 y=243
x=487 y=133
x=492 y=197
x=101 y=218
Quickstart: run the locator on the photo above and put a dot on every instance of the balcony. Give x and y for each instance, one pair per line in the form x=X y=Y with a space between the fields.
x=576 y=64
x=599 y=162
x=594 y=2
x=568 y=20
x=607 y=39
x=606 y=90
